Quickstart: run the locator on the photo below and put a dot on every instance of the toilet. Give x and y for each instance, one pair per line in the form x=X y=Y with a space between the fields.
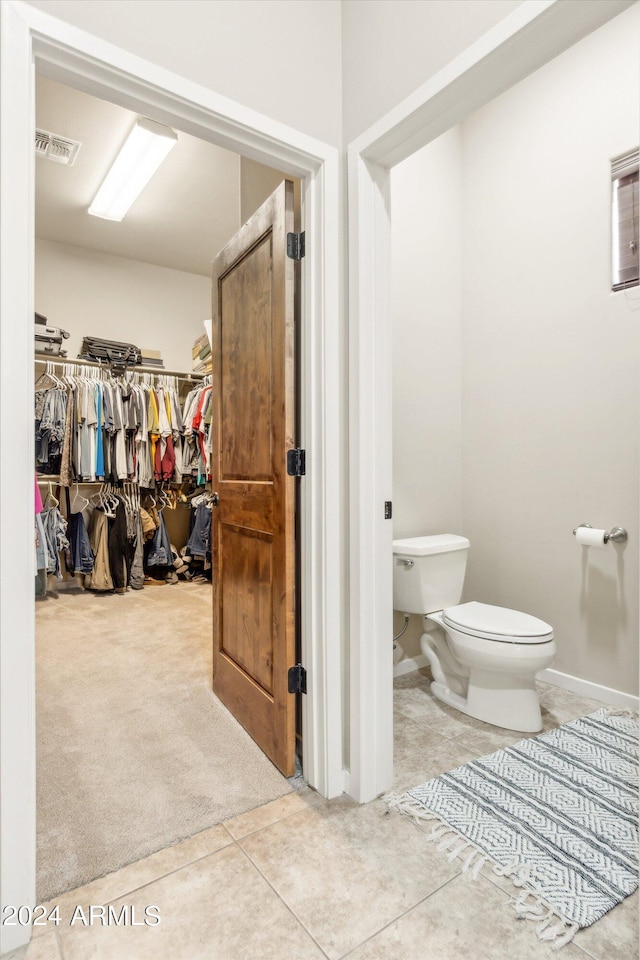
x=486 y=662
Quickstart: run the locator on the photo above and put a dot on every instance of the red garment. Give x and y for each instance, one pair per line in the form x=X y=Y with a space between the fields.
x=164 y=463
x=38 y=498
x=198 y=417
x=168 y=463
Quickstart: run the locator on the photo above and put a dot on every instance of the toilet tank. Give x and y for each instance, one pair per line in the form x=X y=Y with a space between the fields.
x=428 y=572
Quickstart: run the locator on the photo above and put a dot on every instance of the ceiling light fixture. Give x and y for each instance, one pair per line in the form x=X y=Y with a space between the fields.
x=142 y=153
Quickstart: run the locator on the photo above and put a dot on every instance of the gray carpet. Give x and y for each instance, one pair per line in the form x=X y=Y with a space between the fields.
x=134 y=751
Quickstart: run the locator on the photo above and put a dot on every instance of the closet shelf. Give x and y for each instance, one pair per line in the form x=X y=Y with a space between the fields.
x=55 y=479
x=156 y=371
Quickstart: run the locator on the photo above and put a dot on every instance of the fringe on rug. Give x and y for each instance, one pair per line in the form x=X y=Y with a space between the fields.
x=527 y=905
x=551 y=925
x=621 y=712
x=618 y=712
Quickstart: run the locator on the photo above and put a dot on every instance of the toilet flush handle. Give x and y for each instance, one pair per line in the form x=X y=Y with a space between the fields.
x=406 y=563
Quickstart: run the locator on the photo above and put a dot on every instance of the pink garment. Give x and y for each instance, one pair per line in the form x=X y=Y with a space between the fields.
x=38 y=498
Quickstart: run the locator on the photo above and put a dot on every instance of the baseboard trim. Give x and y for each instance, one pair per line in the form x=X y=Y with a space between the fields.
x=586 y=688
x=409 y=664
x=583 y=688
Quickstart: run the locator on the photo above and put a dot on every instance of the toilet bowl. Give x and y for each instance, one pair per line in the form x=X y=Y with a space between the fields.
x=500 y=652
x=486 y=663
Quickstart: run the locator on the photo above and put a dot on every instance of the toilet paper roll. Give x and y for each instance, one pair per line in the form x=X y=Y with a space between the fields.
x=590 y=536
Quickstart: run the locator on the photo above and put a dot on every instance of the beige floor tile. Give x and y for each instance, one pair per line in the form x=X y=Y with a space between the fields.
x=269 y=813
x=411 y=738
x=347 y=870
x=44 y=947
x=219 y=908
x=420 y=767
x=135 y=875
x=489 y=739
x=419 y=677
x=417 y=703
x=452 y=925
x=614 y=936
x=559 y=706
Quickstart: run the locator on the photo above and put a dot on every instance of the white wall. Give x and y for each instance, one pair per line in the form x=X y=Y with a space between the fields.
x=280 y=58
x=426 y=311
x=390 y=49
x=426 y=244
x=550 y=374
x=96 y=294
x=550 y=356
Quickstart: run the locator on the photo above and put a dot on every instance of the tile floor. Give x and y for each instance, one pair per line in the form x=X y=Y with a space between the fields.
x=302 y=878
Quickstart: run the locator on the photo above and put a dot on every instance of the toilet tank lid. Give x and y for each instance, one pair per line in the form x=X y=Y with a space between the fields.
x=422 y=546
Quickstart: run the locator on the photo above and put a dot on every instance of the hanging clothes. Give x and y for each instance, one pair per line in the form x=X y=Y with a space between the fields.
x=50 y=410
x=81 y=552
x=136 y=578
x=196 y=446
x=100 y=578
x=158 y=548
x=92 y=426
x=121 y=549
x=55 y=534
x=199 y=543
x=126 y=432
x=40 y=541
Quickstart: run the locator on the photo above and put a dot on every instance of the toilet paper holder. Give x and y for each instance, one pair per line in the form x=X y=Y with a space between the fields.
x=617 y=534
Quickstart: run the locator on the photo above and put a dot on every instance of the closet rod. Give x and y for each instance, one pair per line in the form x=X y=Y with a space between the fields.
x=156 y=371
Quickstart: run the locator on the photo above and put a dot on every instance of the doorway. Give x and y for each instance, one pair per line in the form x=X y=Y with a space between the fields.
x=501 y=296
x=136 y=708
x=64 y=55
x=505 y=55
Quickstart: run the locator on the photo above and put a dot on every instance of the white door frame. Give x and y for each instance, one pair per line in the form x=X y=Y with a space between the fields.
x=30 y=40
x=533 y=34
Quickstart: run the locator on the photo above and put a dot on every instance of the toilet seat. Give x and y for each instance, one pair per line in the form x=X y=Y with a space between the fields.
x=499 y=624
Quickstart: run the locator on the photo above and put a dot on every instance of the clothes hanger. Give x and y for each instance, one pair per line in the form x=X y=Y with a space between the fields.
x=107 y=504
x=77 y=494
x=50 y=496
x=114 y=497
x=45 y=375
x=67 y=375
x=100 y=496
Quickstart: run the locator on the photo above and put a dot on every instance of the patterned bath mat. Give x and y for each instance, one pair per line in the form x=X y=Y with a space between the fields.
x=557 y=813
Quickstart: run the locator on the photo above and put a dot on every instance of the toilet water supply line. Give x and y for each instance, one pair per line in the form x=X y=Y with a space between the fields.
x=398 y=635
x=406 y=624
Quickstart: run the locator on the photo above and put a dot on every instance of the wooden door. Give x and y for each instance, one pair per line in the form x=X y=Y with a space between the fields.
x=253 y=427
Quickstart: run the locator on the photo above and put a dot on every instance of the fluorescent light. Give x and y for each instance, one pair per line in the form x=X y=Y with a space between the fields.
x=144 y=150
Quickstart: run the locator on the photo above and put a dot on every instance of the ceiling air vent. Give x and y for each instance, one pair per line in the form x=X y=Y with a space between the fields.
x=60 y=149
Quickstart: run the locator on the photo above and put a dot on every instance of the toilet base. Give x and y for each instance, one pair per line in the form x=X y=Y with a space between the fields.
x=500 y=699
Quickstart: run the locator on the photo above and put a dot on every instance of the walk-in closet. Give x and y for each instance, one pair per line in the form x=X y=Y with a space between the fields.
x=134 y=749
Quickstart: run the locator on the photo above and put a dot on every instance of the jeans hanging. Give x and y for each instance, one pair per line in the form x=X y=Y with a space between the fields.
x=158 y=550
x=55 y=529
x=81 y=552
x=199 y=543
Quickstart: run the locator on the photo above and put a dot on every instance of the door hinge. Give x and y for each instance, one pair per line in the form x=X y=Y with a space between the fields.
x=388 y=509
x=295 y=246
x=297 y=679
x=296 y=462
